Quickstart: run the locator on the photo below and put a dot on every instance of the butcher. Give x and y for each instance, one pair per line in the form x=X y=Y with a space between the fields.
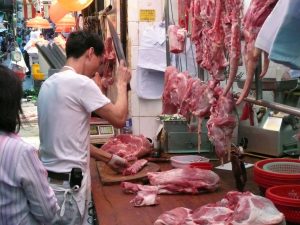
x=65 y=103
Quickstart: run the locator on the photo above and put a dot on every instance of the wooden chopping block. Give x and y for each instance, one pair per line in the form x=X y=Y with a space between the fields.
x=109 y=176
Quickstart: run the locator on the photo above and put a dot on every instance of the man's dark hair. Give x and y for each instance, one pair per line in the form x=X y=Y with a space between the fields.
x=10 y=100
x=80 y=41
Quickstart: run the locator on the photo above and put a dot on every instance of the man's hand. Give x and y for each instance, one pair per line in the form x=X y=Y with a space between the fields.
x=117 y=163
x=124 y=73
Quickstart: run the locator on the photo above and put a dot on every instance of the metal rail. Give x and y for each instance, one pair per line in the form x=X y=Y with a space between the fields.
x=275 y=106
x=167 y=23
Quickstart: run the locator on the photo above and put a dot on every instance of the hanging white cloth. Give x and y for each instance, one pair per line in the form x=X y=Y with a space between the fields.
x=149 y=83
x=152 y=50
x=285 y=48
x=151 y=62
x=269 y=29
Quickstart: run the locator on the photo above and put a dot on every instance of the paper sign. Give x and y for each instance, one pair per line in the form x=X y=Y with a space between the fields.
x=227 y=166
x=147 y=15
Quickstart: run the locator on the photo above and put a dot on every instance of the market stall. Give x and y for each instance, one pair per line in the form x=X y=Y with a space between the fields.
x=204 y=84
x=203 y=89
x=113 y=206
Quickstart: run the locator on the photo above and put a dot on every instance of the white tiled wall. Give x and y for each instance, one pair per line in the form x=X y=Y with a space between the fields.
x=143 y=112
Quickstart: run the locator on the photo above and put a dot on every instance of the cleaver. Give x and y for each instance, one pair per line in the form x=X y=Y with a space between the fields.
x=118 y=45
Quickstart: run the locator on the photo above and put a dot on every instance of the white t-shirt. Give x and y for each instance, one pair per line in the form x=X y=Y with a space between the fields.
x=65 y=102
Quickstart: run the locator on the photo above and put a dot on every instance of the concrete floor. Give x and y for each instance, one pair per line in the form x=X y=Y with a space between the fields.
x=29 y=130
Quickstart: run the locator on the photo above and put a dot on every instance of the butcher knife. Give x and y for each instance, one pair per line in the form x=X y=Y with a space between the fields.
x=118 y=45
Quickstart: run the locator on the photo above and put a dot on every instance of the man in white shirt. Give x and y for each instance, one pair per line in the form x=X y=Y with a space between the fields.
x=65 y=103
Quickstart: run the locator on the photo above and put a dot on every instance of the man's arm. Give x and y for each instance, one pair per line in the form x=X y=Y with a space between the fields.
x=116 y=113
x=99 y=154
x=113 y=161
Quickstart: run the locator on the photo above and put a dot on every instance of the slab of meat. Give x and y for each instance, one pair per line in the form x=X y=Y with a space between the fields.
x=145 y=198
x=135 y=167
x=176 y=38
x=253 y=209
x=174 y=90
x=216 y=34
x=197 y=100
x=236 y=208
x=146 y=194
x=184 y=180
x=177 y=216
x=109 y=63
x=133 y=188
x=212 y=214
x=221 y=123
x=128 y=146
x=183 y=13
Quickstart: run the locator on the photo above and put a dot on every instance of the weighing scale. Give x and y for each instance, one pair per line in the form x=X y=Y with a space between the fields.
x=100 y=130
x=273 y=131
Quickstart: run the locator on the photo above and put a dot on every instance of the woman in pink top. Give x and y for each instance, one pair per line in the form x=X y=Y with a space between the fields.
x=25 y=196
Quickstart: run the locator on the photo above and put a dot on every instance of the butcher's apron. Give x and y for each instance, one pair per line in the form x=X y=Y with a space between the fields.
x=80 y=213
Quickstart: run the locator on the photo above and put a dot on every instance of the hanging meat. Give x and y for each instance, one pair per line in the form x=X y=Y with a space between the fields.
x=221 y=123
x=174 y=90
x=216 y=34
x=176 y=38
x=192 y=97
x=109 y=63
x=254 y=18
x=183 y=13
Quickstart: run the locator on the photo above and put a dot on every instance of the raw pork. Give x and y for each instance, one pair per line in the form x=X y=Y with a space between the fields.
x=255 y=16
x=216 y=34
x=197 y=100
x=135 y=167
x=146 y=194
x=236 y=208
x=174 y=90
x=145 y=198
x=185 y=180
x=109 y=63
x=177 y=216
x=176 y=38
x=221 y=123
x=128 y=146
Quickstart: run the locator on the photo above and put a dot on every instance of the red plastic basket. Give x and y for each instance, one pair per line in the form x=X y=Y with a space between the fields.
x=279 y=174
x=287 y=200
